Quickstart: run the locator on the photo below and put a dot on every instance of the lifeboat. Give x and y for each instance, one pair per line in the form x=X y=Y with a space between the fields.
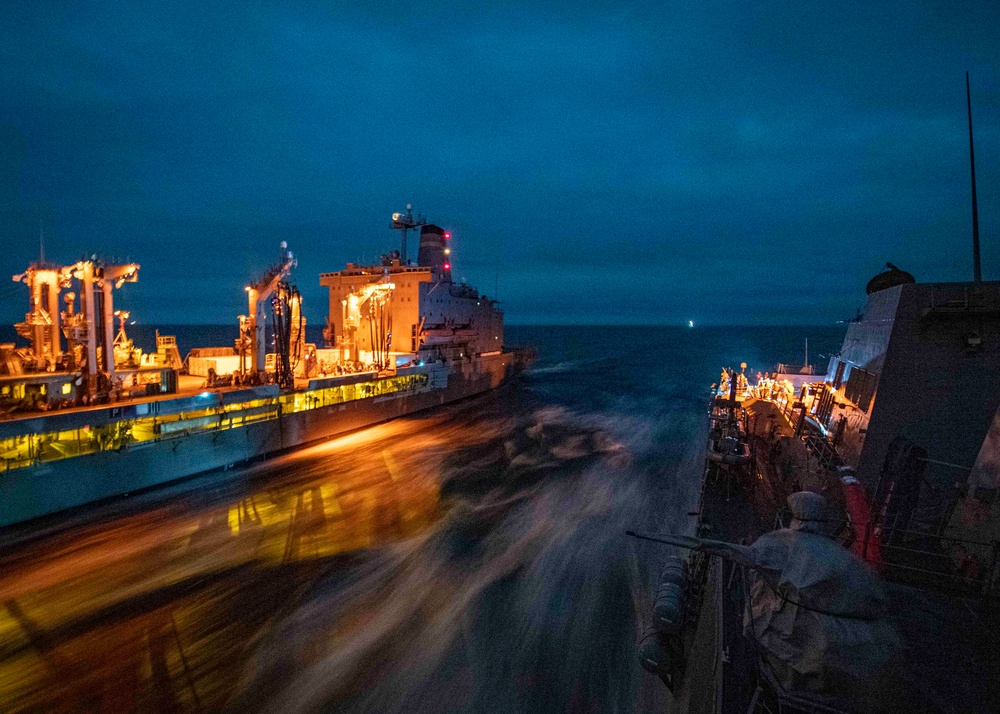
x=437 y=336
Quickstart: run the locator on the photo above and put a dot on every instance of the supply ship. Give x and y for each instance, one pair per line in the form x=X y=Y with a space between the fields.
x=86 y=416
x=845 y=552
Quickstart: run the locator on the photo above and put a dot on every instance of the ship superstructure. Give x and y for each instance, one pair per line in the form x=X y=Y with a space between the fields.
x=909 y=402
x=907 y=414
x=900 y=443
x=846 y=552
x=398 y=312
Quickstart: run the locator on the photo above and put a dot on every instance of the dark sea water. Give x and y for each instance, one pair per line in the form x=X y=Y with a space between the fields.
x=472 y=559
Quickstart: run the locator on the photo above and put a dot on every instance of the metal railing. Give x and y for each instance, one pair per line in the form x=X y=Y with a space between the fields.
x=28 y=450
x=747 y=683
x=823 y=450
x=933 y=560
x=960 y=298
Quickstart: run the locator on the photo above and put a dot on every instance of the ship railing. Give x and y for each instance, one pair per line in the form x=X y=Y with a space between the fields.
x=770 y=698
x=747 y=683
x=32 y=449
x=949 y=298
x=823 y=450
x=935 y=561
x=960 y=298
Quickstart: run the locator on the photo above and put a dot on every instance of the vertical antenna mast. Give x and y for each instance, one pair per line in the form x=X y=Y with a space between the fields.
x=404 y=222
x=978 y=273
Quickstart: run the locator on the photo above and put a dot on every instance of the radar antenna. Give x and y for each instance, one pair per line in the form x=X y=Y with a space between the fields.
x=404 y=222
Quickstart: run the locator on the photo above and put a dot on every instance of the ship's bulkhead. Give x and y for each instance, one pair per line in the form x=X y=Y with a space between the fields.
x=924 y=358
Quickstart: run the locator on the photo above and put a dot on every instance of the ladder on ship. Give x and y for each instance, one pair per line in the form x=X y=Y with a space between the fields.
x=166 y=350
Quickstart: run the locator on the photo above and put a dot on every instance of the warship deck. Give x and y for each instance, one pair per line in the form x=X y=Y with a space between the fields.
x=946 y=663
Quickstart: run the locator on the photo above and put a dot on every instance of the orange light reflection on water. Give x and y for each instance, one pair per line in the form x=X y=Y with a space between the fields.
x=157 y=609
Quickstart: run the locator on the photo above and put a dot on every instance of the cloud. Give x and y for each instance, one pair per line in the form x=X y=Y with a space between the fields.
x=673 y=153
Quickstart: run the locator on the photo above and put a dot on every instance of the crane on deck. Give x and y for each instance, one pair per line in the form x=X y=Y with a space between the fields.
x=286 y=304
x=376 y=295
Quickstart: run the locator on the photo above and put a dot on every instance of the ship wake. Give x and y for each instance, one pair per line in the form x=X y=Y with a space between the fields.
x=523 y=598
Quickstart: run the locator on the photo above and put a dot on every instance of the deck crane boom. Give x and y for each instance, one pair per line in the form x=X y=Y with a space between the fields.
x=378 y=293
x=43 y=324
x=257 y=297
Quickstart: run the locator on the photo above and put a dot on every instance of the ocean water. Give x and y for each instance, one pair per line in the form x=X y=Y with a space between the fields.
x=472 y=559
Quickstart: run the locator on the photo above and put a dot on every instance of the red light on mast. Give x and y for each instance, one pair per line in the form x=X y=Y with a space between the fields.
x=447 y=266
x=447 y=236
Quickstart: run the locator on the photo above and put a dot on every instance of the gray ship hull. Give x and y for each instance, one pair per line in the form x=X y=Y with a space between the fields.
x=52 y=486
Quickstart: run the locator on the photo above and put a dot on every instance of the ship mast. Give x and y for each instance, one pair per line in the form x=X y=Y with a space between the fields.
x=404 y=222
x=978 y=273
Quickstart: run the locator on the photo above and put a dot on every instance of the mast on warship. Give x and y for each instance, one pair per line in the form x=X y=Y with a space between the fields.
x=977 y=270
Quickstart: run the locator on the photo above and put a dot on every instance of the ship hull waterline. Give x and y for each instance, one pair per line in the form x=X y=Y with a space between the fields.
x=51 y=487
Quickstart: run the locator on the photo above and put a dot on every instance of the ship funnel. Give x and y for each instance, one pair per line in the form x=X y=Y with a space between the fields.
x=432 y=247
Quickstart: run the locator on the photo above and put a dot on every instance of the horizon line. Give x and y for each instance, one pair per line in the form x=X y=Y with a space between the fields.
x=679 y=325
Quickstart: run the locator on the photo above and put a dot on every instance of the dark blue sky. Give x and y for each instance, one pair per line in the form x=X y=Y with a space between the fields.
x=727 y=162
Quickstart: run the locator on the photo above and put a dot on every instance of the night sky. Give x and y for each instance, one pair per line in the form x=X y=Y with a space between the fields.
x=726 y=162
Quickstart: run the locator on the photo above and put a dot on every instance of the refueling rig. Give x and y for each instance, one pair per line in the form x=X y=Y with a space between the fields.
x=288 y=329
x=401 y=337
x=395 y=315
x=96 y=366
x=99 y=366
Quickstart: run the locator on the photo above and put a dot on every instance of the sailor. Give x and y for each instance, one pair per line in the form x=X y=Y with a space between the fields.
x=816 y=609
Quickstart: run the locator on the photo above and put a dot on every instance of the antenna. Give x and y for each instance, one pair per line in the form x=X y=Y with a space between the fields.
x=977 y=270
x=41 y=243
x=404 y=222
